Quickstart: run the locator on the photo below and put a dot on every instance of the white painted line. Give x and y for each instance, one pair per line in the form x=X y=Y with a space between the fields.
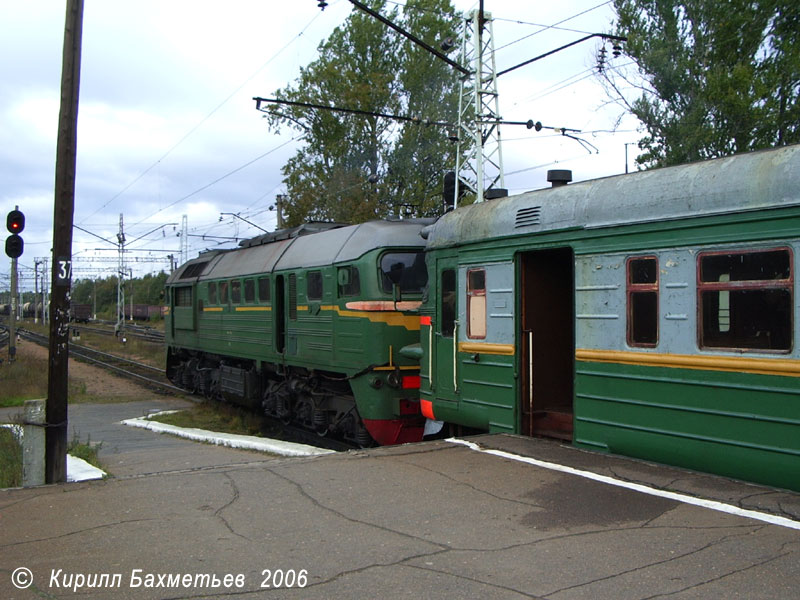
x=711 y=504
x=231 y=440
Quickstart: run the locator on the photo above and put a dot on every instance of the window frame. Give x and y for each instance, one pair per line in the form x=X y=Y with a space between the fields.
x=632 y=289
x=448 y=320
x=744 y=285
x=473 y=298
x=249 y=291
x=262 y=285
x=315 y=278
x=236 y=291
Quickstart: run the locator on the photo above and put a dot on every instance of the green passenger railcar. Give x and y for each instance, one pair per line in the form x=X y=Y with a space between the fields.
x=653 y=315
x=306 y=324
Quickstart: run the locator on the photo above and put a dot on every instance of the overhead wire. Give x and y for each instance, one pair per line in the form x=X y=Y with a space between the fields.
x=206 y=118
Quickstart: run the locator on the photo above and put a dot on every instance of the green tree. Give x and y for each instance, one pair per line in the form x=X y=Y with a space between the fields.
x=714 y=78
x=353 y=168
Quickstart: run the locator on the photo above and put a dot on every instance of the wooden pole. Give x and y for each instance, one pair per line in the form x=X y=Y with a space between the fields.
x=66 y=151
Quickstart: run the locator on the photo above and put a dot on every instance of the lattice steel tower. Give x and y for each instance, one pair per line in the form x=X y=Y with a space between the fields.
x=479 y=160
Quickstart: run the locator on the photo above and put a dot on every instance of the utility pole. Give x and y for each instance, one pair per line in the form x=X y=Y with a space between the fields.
x=12 y=317
x=35 y=290
x=64 y=208
x=279 y=200
x=120 y=274
x=184 y=239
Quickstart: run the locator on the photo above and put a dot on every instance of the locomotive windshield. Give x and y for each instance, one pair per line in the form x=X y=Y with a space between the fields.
x=405 y=269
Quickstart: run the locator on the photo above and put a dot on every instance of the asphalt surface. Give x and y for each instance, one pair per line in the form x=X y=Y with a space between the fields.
x=431 y=520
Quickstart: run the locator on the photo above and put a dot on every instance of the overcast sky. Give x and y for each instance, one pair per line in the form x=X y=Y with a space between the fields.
x=168 y=127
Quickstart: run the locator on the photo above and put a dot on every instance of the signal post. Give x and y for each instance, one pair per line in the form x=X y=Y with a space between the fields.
x=15 y=223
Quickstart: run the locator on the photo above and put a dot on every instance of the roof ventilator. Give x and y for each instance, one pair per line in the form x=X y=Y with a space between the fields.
x=528 y=216
x=559 y=177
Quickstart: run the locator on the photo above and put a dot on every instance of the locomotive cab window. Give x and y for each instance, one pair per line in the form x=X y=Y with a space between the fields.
x=349 y=283
x=314 y=285
x=236 y=291
x=263 y=289
x=476 y=303
x=249 y=291
x=212 y=292
x=223 y=292
x=403 y=269
x=642 y=279
x=745 y=300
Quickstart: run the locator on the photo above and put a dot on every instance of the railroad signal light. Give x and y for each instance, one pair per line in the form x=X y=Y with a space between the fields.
x=15 y=223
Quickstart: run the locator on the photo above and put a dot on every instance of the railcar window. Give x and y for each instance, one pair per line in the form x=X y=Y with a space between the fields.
x=642 y=325
x=223 y=292
x=263 y=289
x=314 y=285
x=448 y=302
x=183 y=296
x=476 y=303
x=236 y=291
x=212 y=292
x=405 y=269
x=249 y=291
x=745 y=300
x=349 y=282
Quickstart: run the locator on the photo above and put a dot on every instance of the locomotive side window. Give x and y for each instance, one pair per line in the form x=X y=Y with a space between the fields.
x=745 y=300
x=236 y=291
x=448 y=302
x=249 y=291
x=314 y=285
x=643 y=301
x=183 y=296
x=223 y=292
x=212 y=292
x=404 y=269
x=349 y=283
x=263 y=289
x=476 y=303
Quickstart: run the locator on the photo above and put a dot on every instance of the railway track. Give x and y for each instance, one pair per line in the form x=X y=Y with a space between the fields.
x=144 y=373
x=153 y=377
x=144 y=333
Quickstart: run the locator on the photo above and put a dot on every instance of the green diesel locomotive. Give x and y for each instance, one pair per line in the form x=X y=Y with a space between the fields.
x=305 y=324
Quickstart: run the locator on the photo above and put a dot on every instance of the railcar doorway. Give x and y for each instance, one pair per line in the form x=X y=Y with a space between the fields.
x=547 y=336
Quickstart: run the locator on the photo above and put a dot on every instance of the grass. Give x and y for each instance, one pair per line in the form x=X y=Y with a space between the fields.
x=26 y=378
x=87 y=451
x=11 y=456
x=222 y=418
x=10 y=459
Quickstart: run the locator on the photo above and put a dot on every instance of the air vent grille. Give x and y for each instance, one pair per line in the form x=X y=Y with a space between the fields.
x=528 y=216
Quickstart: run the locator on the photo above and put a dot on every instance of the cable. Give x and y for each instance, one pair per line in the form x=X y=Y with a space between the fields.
x=216 y=181
x=206 y=118
x=554 y=26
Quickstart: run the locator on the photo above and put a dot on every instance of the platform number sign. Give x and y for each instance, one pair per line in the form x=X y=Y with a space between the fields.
x=63 y=271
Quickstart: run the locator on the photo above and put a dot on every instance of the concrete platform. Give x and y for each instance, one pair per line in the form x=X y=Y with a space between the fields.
x=431 y=520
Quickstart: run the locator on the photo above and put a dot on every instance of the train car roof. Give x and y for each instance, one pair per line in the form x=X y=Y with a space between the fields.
x=316 y=248
x=745 y=182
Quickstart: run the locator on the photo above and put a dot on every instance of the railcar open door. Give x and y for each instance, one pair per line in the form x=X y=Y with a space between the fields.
x=547 y=342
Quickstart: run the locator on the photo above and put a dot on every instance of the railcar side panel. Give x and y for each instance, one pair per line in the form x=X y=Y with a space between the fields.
x=682 y=298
